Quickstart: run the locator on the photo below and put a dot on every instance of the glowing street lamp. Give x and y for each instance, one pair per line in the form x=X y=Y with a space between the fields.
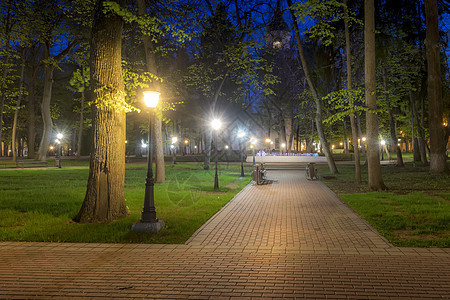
x=174 y=149
x=383 y=143
x=58 y=141
x=186 y=143
x=216 y=124
x=148 y=221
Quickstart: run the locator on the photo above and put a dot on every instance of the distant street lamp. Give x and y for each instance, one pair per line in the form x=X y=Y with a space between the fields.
x=215 y=125
x=148 y=221
x=174 y=149
x=186 y=143
x=282 y=147
x=58 y=141
x=267 y=140
x=241 y=135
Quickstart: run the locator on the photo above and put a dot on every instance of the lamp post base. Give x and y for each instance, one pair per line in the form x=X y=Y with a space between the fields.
x=148 y=227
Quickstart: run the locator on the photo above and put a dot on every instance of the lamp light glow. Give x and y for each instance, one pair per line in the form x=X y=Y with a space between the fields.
x=151 y=98
x=241 y=134
x=216 y=124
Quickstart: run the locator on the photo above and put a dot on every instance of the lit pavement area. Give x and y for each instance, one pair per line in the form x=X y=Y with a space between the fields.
x=293 y=238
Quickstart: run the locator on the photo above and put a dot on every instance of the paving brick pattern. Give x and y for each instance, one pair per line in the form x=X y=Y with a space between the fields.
x=292 y=239
x=292 y=212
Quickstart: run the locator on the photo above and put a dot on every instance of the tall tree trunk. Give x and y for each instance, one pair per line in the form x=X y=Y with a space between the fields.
x=49 y=66
x=105 y=198
x=7 y=41
x=319 y=125
x=291 y=135
x=158 y=150
x=160 y=171
x=392 y=129
x=45 y=108
x=375 y=178
x=16 y=112
x=438 y=160
x=415 y=150
x=80 y=129
x=283 y=139
x=360 y=135
x=31 y=105
x=421 y=136
x=344 y=125
x=350 y=86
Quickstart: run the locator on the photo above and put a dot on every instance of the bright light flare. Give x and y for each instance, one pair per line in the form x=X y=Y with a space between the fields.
x=216 y=124
x=151 y=98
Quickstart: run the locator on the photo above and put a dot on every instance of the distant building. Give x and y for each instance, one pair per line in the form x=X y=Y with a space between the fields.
x=278 y=35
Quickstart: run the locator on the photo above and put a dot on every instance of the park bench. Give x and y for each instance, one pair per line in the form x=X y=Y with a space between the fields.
x=259 y=175
x=311 y=171
x=22 y=164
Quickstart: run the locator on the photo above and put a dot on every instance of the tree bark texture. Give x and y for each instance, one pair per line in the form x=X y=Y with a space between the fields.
x=438 y=161
x=318 y=118
x=157 y=141
x=105 y=199
x=375 y=178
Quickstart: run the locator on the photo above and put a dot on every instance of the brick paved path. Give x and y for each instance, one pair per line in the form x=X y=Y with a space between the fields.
x=291 y=239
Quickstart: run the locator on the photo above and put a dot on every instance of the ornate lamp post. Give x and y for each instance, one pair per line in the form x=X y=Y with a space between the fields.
x=215 y=125
x=58 y=141
x=241 y=135
x=148 y=221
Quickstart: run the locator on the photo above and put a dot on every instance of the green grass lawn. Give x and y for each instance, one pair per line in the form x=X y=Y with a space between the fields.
x=39 y=204
x=413 y=212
